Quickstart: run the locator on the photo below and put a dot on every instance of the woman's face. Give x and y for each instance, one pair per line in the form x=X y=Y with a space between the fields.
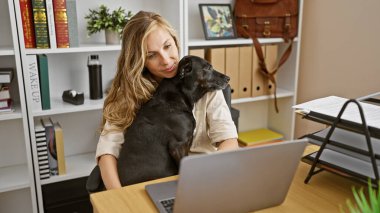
x=162 y=56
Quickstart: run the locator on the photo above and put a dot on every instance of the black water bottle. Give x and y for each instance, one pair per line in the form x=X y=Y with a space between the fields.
x=95 y=76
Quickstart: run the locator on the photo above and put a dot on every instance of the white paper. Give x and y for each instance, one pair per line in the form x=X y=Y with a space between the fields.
x=331 y=106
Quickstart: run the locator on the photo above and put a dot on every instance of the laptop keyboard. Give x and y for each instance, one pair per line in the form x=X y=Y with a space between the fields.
x=168 y=204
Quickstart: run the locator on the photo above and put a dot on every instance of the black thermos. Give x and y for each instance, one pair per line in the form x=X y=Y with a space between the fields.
x=95 y=76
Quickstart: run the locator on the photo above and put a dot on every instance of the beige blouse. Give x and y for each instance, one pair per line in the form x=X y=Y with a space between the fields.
x=213 y=124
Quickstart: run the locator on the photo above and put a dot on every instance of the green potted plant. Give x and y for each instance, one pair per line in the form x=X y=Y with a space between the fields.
x=364 y=204
x=111 y=22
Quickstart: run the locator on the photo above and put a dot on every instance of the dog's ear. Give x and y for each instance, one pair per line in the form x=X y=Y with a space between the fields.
x=187 y=66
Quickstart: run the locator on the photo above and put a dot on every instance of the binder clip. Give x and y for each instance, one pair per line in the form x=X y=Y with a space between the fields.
x=73 y=97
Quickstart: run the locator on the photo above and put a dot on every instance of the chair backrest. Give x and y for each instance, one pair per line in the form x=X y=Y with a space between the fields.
x=227 y=95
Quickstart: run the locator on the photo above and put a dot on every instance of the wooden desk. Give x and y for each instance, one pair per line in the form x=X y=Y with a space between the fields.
x=324 y=193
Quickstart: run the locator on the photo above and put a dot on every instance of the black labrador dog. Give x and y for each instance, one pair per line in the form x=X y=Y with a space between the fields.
x=162 y=132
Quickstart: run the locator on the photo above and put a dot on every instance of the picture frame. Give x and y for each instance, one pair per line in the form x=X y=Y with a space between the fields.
x=217 y=21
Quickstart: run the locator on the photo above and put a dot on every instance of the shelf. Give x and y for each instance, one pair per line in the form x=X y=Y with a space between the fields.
x=83 y=48
x=13 y=178
x=4 y=51
x=58 y=106
x=76 y=166
x=200 y=42
x=11 y=115
x=281 y=93
x=343 y=164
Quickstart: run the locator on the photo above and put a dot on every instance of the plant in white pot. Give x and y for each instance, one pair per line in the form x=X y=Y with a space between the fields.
x=111 y=22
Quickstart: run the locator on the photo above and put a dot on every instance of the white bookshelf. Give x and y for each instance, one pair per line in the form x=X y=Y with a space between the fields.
x=77 y=166
x=255 y=112
x=17 y=185
x=68 y=70
x=5 y=51
x=13 y=178
x=201 y=42
x=83 y=48
x=281 y=93
x=60 y=107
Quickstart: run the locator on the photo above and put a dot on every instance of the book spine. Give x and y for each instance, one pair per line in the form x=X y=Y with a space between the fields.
x=40 y=24
x=34 y=82
x=72 y=22
x=4 y=93
x=6 y=75
x=58 y=132
x=51 y=146
x=51 y=23
x=44 y=80
x=42 y=152
x=27 y=23
x=61 y=27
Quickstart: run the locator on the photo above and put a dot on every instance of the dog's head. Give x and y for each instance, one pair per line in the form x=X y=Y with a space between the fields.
x=199 y=76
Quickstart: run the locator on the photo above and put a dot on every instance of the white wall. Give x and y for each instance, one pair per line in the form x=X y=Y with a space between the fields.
x=340 y=52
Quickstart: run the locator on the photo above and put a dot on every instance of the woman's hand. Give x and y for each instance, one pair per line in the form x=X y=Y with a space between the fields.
x=229 y=144
x=108 y=170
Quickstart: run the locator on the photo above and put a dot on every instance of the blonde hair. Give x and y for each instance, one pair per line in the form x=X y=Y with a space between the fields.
x=133 y=85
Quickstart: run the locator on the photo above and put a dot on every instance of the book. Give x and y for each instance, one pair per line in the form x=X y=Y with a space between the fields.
x=43 y=70
x=40 y=23
x=6 y=75
x=27 y=23
x=5 y=103
x=51 y=145
x=42 y=151
x=60 y=22
x=51 y=24
x=32 y=76
x=58 y=132
x=4 y=93
x=72 y=22
x=258 y=137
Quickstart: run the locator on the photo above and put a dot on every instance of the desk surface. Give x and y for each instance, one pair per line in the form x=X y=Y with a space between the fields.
x=324 y=193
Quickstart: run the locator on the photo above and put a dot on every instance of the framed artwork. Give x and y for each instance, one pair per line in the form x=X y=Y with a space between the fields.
x=217 y=21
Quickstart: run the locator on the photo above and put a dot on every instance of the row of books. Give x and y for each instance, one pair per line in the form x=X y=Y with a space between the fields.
x=37 y=76
x=6 y=102
x=49 y=23
x=241 y=64
x=50 y=148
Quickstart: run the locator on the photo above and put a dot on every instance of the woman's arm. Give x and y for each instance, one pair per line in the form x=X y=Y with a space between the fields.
x=107 y=152
x=108 y=169
x=229 y=144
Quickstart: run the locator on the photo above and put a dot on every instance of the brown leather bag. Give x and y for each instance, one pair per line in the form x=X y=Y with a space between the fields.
x=267 y=19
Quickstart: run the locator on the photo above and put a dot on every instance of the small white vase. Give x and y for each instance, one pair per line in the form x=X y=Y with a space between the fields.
x=112 y=37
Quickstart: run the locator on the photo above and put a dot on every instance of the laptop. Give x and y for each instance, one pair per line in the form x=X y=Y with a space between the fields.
x=242 y=180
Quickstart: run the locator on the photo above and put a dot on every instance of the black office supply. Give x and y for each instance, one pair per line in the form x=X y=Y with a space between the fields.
x=73 y=97
x=347 y=148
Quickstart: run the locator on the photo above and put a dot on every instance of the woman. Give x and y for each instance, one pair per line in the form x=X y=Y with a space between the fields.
x=149 y=54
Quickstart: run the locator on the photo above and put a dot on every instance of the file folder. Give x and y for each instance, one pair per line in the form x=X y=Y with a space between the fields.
x=232 y=69
x=245 y=71
x=197 y=52
x=257 y=78
x=271 y=52
x=216 y=57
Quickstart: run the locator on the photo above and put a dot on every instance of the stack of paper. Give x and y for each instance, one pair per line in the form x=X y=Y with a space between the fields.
x=331 y=106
